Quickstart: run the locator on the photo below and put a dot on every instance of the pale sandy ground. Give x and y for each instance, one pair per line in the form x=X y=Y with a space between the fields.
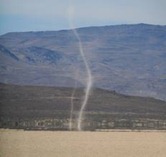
x=15 y=143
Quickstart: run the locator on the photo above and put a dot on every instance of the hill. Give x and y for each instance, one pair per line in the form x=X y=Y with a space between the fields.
x=31 y=103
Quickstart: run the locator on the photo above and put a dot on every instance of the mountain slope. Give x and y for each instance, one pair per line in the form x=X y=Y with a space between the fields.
x=6 y=53
x=127 y=58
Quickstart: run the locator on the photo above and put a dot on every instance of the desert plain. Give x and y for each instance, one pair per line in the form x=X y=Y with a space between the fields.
x=19 y=143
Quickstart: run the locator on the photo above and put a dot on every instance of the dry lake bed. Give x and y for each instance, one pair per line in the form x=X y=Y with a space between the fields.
x=18 y=143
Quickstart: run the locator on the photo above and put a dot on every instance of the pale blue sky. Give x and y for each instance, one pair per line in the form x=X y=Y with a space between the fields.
x=40 y=15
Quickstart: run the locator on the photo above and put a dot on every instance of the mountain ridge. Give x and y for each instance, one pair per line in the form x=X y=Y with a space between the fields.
x=86 y=27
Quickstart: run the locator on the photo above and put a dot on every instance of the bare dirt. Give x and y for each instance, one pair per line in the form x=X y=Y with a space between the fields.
x=18 y=143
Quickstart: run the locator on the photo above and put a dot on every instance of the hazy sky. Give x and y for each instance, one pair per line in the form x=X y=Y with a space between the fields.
x=37 y=15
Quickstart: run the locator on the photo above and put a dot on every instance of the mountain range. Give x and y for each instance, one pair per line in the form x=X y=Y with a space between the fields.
x=130 y=59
